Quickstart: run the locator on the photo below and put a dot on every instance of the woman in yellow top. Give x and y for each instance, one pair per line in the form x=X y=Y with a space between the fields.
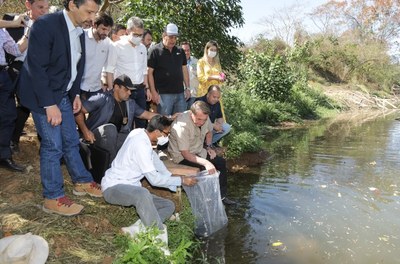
x=209 y=70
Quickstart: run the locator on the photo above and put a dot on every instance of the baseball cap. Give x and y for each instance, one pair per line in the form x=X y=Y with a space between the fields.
x=171 y=30
x=124 y=80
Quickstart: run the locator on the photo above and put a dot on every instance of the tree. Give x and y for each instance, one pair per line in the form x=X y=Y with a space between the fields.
x=198 y=21
x=377 y=19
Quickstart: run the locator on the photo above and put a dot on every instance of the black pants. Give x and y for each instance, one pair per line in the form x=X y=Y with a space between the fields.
x=22 y=112
x=139 y=95
x=220 y=165
x=7 y=113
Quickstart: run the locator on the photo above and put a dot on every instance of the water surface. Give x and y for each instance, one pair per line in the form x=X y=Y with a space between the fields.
x=328 y=194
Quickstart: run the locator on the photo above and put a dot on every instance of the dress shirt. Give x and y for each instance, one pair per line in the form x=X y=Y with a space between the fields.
x=125 y=59
x=96 y=54
x=26 y=32
x=76 y=49
x=7 y=44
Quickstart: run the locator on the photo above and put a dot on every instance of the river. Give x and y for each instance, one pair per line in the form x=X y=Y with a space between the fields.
x=328 y=194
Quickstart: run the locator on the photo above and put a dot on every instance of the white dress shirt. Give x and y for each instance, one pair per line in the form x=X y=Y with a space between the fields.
x=96 y=59
x=125 y=59
x=76 y=49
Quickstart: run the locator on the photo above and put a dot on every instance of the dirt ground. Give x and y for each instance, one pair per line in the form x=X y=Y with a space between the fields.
x=20 y=193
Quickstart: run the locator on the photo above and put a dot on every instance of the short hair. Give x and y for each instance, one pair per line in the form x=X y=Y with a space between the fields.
x=134 y=22
x=214 y=87
x=158 y=122
x=78 y=3
x=117 y=28
x=147 y=32
x=186 y=43
x=200 y=106
x=103 y=19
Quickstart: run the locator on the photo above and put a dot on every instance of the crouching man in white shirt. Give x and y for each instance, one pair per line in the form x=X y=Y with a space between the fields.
x=136 y=159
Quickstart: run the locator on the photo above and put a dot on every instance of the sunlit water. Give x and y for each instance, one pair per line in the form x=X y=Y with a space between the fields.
x=329 y=194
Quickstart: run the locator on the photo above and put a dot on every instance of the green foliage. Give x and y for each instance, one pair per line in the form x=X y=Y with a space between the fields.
x=198 y=22
x=144 y=248
x=243 y=142
x=266 y=75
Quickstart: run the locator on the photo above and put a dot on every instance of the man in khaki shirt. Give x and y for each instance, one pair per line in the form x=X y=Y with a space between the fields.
x=190 y=144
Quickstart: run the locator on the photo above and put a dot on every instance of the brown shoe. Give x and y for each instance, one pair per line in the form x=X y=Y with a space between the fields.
x=91 y=188
x=62 y=206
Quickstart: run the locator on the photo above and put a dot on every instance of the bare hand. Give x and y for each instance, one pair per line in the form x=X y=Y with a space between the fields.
x=148 y=95
x=210 y=168
x=155 y=97
x=53 y=114
x=189 y=180
x=218 y=127
x=187 y=94
x=211 y=153
x=89 y=137
x=19 y=21
x=77 y=105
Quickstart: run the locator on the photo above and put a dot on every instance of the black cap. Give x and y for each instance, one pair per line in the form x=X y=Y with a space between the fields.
x=124 y=80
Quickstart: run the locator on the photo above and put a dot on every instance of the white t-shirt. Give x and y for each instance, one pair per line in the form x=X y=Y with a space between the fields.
x=135 y=158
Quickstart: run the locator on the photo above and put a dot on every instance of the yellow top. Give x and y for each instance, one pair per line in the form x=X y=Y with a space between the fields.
x=204 y=70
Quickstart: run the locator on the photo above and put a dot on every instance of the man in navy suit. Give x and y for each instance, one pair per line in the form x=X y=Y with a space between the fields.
x=49 y=87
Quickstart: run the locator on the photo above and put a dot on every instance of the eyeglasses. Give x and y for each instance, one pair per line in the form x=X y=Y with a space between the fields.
x=137 y=35
x=165 y=133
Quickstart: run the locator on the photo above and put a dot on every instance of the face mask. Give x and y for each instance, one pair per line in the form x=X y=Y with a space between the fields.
x=136 y=40
x=212 y=54
x=161 y=141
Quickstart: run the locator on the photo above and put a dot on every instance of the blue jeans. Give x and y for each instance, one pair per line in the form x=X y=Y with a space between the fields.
x=57 y=142
x=171 y=104
x=152 y=210
x=226 y=128
x=8 y=114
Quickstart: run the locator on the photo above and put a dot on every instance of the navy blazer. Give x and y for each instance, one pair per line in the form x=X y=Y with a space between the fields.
x=46 y=72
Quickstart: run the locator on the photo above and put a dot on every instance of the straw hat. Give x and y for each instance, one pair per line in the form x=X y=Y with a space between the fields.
x=23 y=249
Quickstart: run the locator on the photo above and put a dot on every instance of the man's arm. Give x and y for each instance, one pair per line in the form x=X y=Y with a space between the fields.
x=80 y=121
x=186 y=81
x=17 y=22
x=154 y=94
x=196 y=159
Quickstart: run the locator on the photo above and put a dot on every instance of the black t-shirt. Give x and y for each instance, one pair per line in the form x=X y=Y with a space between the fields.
x=168 y=75
x=120 y=115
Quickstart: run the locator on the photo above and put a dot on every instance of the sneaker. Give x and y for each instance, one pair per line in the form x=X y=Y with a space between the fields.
x=163 y=236
x=228 y=201
x=62 y=206
x=91 y=188
x=134 y=229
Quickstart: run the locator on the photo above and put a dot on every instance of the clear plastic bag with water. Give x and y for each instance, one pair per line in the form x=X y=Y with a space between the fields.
x=206 y=203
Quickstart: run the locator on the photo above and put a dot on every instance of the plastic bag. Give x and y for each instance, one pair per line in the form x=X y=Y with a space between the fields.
x=206 y=203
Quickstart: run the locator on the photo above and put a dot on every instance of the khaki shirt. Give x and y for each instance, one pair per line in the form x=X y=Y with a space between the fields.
x=185 y=135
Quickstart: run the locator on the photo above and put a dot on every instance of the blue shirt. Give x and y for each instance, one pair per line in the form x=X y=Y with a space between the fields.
x=101 y=107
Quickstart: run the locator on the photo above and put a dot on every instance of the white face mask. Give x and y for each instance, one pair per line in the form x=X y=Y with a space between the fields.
x=136 y=40
x=161 y=141
x=212 y=54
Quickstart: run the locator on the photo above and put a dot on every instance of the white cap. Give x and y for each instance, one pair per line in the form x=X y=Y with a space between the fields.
x=171 y=30
x=24 y=249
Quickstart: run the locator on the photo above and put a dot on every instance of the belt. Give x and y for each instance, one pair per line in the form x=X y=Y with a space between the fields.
x=138 y=86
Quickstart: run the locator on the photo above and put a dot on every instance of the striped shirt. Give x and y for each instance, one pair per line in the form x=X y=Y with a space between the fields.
x=8 y=45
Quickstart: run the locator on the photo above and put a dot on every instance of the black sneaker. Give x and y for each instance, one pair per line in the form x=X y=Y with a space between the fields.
x=228 y=201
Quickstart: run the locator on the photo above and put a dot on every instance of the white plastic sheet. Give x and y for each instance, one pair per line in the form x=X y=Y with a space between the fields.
x=206 y=203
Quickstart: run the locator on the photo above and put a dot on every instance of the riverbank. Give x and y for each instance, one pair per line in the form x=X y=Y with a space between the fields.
x=88 y=238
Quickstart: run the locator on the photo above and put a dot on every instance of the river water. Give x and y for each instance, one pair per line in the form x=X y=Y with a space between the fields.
x=328 y=194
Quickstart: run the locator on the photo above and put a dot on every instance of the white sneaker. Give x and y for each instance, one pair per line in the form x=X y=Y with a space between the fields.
x=134 y=229
x=163 y=236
